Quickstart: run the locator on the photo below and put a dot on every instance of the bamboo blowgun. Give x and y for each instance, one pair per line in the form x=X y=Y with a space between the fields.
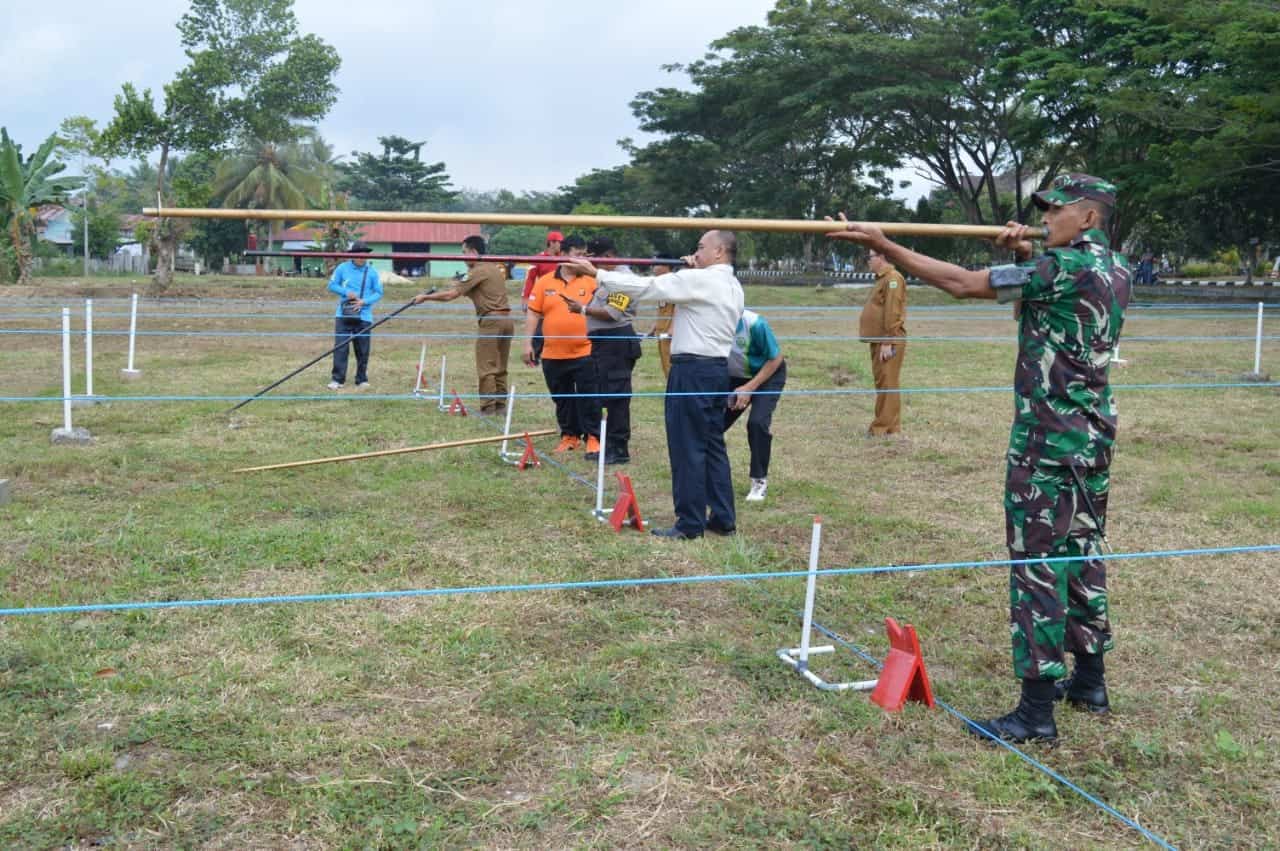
x=559 y=221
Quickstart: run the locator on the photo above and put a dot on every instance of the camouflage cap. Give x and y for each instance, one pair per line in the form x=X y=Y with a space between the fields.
x=1071 y=188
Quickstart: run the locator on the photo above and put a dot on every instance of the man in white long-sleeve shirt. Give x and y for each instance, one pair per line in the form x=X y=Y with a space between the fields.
x=709 y=301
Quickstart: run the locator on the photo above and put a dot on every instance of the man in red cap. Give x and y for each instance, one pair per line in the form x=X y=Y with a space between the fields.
x=536 y=271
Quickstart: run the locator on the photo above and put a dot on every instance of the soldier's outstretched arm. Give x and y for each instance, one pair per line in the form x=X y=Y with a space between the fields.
x=956 y=280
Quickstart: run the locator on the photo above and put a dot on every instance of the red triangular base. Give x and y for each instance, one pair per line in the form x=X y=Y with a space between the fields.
x=456 y=407
x=529 y=458
x=626 y=511
x=904 y=677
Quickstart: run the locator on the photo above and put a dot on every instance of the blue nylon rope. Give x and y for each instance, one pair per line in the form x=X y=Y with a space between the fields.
x=616 y=583
x=852 y=391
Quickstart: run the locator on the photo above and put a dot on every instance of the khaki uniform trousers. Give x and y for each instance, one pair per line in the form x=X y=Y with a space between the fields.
x=493 y=349
x=888 y=405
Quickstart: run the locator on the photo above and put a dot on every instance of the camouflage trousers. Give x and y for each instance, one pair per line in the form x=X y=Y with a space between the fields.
x=1061 y=606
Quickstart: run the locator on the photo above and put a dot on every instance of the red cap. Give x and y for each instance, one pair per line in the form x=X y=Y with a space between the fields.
x=555 y=236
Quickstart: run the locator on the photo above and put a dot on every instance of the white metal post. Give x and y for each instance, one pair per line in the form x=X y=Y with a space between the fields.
x=1257 y=345
x=133 y=333
x=66 y=369
x=88 y=348
x=810 y=590
x=604 y=435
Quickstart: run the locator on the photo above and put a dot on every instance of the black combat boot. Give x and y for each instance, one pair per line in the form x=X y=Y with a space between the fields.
x=1031 y=721
x=1086 y=688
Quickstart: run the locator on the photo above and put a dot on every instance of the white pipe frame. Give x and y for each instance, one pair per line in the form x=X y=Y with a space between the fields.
x=598 y=511
x=133 y=333
x=1257 y=345
x=797 y=658
x=88 y=348
x=509 y=457
x=66 y=369
x=440 y=399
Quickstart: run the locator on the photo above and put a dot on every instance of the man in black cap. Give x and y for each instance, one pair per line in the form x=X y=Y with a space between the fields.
x=358 y=288
x=1072 y=300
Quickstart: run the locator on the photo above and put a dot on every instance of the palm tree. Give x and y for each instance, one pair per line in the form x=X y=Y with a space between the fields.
x=24 y=186
x=269 y=175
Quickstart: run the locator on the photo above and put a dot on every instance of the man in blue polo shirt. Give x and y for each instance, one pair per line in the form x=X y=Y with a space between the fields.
x=757 y=373
x=358 y=288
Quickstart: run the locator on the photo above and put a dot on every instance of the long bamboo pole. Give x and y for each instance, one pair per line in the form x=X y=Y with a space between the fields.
x=385 y=452
x=559 y=221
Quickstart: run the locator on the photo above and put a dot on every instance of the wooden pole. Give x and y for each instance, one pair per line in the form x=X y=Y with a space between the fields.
x=385 y=452
x=558 y=221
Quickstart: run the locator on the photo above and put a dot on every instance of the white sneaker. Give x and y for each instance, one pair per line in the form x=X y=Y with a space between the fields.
x=364 y=385
x=333 y=385
x=759 y=487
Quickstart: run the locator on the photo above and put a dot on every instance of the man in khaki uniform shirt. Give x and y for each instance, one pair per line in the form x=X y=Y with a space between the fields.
x=884 y=316
x=486 y=286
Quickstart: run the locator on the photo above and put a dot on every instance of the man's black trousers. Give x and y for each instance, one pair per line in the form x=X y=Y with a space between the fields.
x=759 y=419
x=344 y=327
x=570 y=382
x=614 y=352
x=700 y=477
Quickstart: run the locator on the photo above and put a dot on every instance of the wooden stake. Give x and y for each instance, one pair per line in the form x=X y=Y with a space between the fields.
x=561 y=221
x=385 y=452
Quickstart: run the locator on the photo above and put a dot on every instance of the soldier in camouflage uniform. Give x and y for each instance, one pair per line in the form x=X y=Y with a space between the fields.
x=1071 y=301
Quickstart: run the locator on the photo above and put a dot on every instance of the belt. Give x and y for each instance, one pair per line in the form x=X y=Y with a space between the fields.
x=685 y=358
x=492 y=312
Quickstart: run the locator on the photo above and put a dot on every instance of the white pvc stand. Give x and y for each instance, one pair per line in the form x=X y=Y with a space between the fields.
x=509 y=457
x=440 y=400
x=418 y=386
x=1115 y=356
x=797 y=658
x=87 y=398
x=598 y=511
x=88 y=348
x=1257 y=345
x=68 y=434
x=66 y=369
x=129 y=371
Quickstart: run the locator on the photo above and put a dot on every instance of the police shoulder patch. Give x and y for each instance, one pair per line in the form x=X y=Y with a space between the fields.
x=621 y=301
x=893 y=285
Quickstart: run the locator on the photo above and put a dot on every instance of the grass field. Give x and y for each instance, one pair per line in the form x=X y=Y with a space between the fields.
x=651 y=717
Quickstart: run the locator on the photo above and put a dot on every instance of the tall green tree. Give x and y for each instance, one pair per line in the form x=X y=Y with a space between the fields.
x=396 y=179
x=25 y=184
x=250 y=74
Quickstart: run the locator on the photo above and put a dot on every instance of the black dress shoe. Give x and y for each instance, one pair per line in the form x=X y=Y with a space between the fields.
x=591 y=456
x=673 y=534
x=1089 y=699
x=721 y=530
x=1014 y=728
x=617 y=459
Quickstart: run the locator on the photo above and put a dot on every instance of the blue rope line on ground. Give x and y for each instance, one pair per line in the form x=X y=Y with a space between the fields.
x=617 y=583
x=432 y=335
x=1025 y=757
x=851 y=391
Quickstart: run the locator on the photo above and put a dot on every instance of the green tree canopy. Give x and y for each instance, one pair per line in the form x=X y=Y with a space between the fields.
x=249 y=75
x=25 y=184
x=396 y=179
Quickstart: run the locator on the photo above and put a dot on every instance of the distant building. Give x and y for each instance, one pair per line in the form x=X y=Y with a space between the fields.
x=53 y=225
x=383 y=238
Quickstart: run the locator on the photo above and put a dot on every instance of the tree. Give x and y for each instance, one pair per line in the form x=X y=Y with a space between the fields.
x=24 y=186
x=104 y=231
x=250 y=75
x=397 y=179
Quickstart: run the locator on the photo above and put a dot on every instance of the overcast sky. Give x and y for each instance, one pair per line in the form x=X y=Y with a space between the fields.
x=517 y=94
